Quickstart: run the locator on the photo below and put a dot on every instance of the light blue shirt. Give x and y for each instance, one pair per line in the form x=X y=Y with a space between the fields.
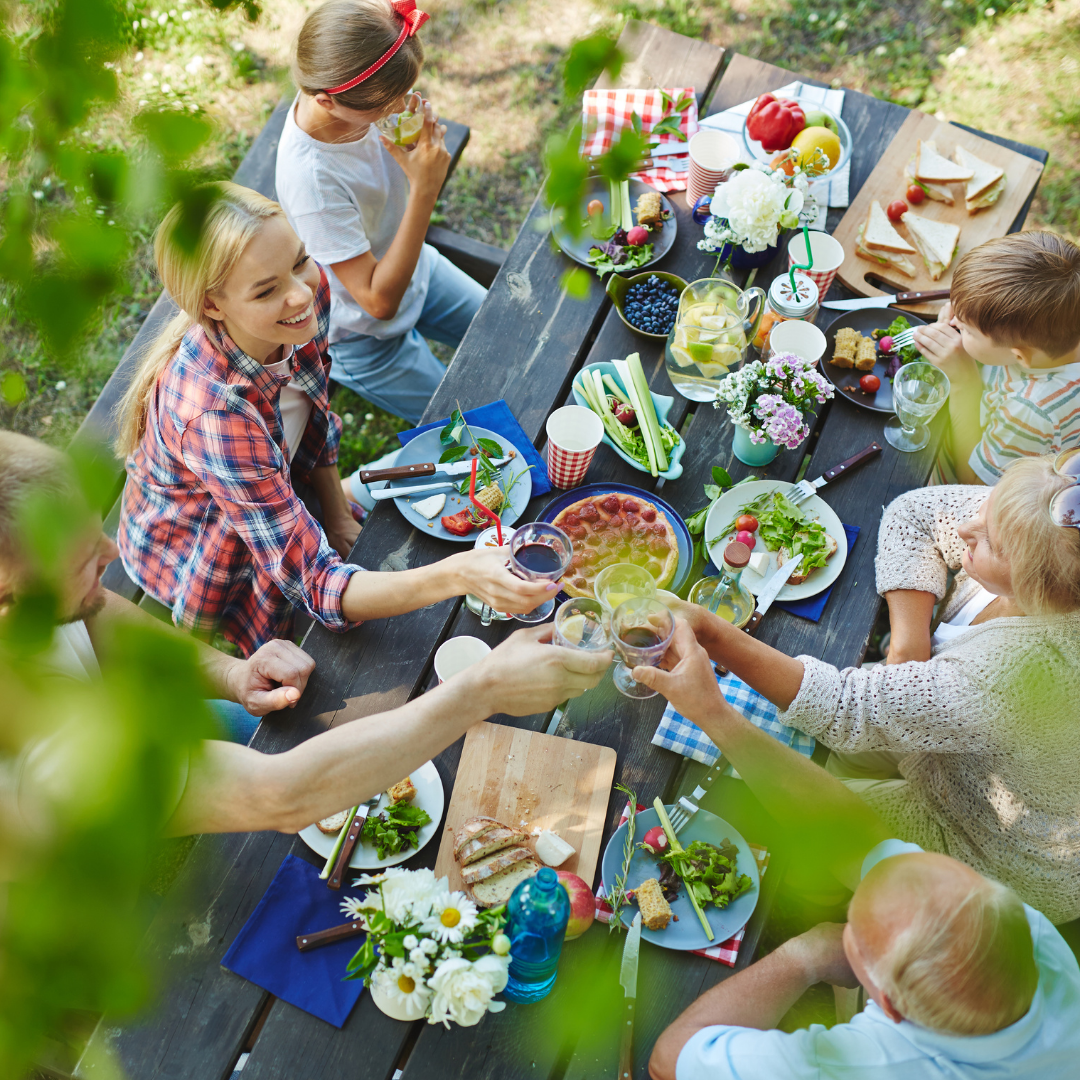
x=1044 y=1043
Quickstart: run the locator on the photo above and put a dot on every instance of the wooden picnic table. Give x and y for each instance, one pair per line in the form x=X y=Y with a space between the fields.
x=526 y=343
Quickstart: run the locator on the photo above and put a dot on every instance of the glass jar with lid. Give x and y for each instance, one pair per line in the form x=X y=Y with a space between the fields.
x=783 y=303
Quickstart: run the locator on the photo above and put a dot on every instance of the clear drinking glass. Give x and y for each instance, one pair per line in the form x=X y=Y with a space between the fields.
x=579 y=624
x=641 y=631
x=489 y=538
x=619 y=582
x=918 y=391
x=403 y=128
x=539 y=552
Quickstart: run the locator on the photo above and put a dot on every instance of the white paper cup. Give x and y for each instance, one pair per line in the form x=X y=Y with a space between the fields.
x=828 y=255
x=795 y=336
x=573 y=435
x=712 y=156
x=456 y=654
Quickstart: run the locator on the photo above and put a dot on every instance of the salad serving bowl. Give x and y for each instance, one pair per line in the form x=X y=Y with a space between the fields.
x=661 y=403
x=618 y=286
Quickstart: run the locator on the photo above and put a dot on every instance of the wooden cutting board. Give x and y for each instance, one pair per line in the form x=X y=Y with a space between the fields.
x=531 y=781
x=887 y=183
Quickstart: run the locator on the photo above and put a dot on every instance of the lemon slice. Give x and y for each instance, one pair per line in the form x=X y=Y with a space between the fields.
x=713 y=370
x=726 y=354
x=717 y=322
x=682 y=357
x=409 y=127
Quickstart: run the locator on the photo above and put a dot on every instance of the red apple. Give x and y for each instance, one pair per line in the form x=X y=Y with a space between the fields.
x=582 y=904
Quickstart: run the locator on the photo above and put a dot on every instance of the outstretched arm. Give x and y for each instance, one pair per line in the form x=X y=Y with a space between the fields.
x=233 y=788
x=799 y=794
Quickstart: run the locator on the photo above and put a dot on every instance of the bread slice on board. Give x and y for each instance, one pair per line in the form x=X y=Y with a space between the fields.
x=984 y=188
x=940 y=192
x=935 y=240
x=933 y=168
x=494 y=864
x=879 y=234
x=489 y=843
x=883 y=258
x=498 y=888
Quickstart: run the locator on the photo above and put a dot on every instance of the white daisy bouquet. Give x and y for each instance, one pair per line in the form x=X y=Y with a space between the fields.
x=428 y=948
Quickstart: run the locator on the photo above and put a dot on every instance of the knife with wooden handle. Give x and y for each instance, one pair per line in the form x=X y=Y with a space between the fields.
x=307 y=942
x=351 y=837
x=397 y=472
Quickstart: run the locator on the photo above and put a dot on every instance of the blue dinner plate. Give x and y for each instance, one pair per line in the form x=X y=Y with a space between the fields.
x=426 y=447
x=682 y=533
x=687 y=933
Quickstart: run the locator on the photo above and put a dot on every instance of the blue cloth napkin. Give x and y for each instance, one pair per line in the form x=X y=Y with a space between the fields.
x=265 y=951
x=497 y=417
x=812 y=607
x=679 y=734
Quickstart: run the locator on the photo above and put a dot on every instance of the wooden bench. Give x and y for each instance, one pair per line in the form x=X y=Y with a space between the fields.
x=479 y=260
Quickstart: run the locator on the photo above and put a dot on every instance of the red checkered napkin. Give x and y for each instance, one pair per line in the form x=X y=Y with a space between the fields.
x=727 y=952
x=604 y=113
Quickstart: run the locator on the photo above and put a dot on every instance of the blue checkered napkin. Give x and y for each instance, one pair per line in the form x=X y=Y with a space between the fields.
x=679 y=734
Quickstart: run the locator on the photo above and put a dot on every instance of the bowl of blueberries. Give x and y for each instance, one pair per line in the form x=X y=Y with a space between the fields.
x=647 y=303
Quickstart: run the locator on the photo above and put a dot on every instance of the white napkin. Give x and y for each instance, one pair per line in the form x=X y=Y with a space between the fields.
x=832 y=191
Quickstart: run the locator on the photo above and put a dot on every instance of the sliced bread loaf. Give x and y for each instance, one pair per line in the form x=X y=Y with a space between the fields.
x=490 y=842
x=497 y=888
x=471 y=829
x=493 y=864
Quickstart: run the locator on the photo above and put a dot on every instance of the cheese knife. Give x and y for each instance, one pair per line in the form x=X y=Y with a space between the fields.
x=628 y=979
x=863 y=302
x=427 y=468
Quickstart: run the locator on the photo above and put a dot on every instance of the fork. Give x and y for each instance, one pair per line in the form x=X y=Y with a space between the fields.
x=803 y=489
x=682 y=813
x=904 y=339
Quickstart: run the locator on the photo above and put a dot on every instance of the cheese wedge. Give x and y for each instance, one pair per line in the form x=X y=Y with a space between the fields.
x=939 y=192
x=430 y=506
x=935 y=169
x=879 y=234
x=898 y=262
x=936 y=241
x=985 y=187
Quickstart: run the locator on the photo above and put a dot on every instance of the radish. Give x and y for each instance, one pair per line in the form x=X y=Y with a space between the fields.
x=655 y=840
x=637 y=236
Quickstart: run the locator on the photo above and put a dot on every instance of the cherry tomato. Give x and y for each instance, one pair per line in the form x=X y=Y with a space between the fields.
x=745 y=537
x=915 y=194
x=747 y=523
x=869 y=384
x=897 y=209
x=595 y=207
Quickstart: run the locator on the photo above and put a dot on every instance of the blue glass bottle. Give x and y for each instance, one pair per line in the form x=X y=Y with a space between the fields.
x=539 y=910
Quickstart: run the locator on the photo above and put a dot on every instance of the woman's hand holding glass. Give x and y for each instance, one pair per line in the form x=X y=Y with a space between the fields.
x=484 y=573
x=641 y=631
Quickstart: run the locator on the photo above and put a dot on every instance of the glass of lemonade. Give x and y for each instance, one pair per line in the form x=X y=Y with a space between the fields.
x=918 y=390
x=620 y=582
x=579 y=624
x=403 y=128
x=710 y=335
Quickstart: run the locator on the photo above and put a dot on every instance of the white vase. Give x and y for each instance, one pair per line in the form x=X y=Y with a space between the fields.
x=394 y=1007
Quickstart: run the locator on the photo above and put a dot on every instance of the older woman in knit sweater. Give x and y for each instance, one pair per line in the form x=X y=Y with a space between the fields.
x=981 y=710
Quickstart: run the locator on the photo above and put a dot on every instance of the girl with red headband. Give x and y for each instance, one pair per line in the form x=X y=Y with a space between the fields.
x=362 y=205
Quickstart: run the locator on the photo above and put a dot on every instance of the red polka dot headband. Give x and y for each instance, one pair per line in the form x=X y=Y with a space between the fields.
x=412 y=20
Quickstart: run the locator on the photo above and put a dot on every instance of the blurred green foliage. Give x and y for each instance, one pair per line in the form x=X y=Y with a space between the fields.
x=75 y=854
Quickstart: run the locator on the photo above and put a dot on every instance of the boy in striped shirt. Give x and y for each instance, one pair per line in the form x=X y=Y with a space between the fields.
x=1009 y=341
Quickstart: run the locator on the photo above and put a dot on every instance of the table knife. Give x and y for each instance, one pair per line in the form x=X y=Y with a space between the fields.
x=306 y=942
x=770 y=590
x=427 y=468
x=628 y=979
x=886 y=301
x=351 y=837
x=670 y=149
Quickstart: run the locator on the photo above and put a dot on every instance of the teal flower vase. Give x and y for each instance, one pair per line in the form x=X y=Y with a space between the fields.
x=751 y=453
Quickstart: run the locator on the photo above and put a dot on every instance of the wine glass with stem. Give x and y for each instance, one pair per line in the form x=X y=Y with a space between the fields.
x=918 y=390
x=641 y=630
x=580 y=624
x=539 y=552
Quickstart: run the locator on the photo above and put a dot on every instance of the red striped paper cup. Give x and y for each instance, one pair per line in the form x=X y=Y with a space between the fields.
x=712 y=155
x=573 y=434
x=828 y=254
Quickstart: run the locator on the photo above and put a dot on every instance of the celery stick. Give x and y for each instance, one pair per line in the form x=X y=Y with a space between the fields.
x=627 y=213
x=328 y=869
x=649 y=421
x=616 y=204
x=673 y=840
x=623 y=369
x=616 y=390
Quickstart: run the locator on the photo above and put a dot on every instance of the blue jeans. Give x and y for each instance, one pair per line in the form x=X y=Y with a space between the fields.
x=400 y=374
x=237 y=724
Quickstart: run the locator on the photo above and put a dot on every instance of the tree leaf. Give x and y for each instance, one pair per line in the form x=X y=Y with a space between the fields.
x=589 y=58
x=455 y=453
x=635 y=122
x=491 y=446
x=175 y=135
x=721 y=476
x=684 y=102
x=665 y=97
x=576 y=282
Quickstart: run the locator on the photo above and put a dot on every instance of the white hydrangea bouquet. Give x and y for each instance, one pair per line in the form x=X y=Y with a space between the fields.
x=773 y=400
x=429 y=951
x=751 y=209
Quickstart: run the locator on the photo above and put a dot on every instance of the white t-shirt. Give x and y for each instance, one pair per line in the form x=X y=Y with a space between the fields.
x=293 y=404
x=1044 y=1043
x=962 y=620
x=344 y=199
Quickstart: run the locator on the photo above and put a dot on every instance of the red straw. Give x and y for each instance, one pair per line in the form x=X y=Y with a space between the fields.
x=480 y=506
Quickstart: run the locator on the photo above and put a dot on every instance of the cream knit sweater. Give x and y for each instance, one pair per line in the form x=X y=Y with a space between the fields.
x=989 y=727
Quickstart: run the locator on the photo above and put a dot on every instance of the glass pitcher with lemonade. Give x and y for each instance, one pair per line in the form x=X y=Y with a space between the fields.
x=711 y=334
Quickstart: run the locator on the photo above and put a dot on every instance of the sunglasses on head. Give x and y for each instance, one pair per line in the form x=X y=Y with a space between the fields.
x=1065 y=505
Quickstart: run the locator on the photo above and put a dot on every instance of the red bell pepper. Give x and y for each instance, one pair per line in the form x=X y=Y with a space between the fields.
x=774 y=122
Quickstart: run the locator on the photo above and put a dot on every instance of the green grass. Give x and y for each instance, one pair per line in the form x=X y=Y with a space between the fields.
x=367 y=432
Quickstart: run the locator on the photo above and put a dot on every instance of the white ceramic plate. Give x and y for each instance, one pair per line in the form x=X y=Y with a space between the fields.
x=429 y=797
x=729 y=505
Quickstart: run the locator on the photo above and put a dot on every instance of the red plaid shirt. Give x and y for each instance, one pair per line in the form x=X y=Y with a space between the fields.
x=210 y=524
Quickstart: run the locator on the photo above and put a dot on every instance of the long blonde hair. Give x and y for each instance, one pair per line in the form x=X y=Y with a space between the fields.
x=235 y=217
x=1044 y=558
x=341 y=38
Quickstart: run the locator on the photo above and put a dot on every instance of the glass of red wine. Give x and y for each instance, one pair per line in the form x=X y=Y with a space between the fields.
x=539 y=552
x=641 y=630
